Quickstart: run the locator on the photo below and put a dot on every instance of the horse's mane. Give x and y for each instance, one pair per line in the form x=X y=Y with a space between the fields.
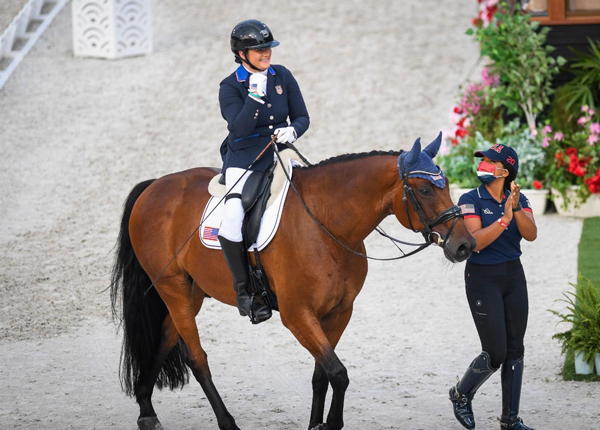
x=350 y=157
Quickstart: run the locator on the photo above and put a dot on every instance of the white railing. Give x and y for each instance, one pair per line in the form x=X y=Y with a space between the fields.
x=23 y=31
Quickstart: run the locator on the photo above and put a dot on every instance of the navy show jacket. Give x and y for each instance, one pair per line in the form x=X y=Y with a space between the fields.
x=480 y=204
x=251 y=124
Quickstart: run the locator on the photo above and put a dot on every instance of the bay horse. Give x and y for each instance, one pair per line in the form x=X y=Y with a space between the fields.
x=349 y=194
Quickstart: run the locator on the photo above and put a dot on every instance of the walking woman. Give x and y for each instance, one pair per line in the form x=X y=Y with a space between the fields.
x=498 y=216
x=256 y=101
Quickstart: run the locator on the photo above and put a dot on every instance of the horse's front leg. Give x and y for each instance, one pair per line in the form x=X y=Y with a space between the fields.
x=311 y=333
x=320 y=383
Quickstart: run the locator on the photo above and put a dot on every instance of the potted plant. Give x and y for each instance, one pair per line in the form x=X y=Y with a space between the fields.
x=583 y=338
x=574 y=166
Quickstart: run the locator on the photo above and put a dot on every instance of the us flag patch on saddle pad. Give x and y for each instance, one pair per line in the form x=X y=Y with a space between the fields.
x=210 y=233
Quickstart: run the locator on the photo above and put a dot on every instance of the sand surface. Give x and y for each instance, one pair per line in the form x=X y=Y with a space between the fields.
x=77 y=134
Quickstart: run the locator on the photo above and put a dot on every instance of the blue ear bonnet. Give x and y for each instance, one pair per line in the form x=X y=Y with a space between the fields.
x=419 y=164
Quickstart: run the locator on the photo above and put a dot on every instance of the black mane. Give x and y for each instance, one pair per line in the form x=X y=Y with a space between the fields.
x=350 y=157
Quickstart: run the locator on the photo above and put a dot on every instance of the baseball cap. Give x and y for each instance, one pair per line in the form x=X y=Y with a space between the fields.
x=500 y=152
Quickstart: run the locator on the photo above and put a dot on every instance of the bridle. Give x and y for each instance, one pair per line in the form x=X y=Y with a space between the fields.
x=453 y=212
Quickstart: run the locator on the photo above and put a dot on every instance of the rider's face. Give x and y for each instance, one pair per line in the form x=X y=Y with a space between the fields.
x=259 y=58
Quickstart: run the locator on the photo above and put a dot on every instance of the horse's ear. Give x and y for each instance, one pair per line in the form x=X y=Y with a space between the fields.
x=413 y=155
x=433 y=148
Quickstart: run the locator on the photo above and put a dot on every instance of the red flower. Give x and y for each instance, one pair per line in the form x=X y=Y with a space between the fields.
x=454 y=141
x=537 y=185
x=593 y=183
x=475 y=22
x=457 y=110
x=571 y=151
x=461 y=132
x=577 y=166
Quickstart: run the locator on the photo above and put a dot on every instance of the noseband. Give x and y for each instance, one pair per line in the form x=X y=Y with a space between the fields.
x=453 y=212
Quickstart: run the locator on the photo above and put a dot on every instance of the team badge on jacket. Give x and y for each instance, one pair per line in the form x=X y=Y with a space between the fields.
x=279 y=89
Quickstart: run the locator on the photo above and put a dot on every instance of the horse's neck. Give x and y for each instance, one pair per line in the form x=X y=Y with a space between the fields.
x=352 y=197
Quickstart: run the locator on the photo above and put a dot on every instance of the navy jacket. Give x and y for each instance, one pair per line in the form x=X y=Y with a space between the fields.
x=251 y=123
x=479 y=203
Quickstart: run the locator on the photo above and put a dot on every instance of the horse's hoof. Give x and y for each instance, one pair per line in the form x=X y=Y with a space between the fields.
x=149 y=423
x=320 y=427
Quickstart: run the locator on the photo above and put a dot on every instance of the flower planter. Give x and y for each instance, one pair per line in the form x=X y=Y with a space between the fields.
x=591 y=208
x=112 y=29
x=581 y=367
x=538 y=199
x=456 y=192
x=597 y=359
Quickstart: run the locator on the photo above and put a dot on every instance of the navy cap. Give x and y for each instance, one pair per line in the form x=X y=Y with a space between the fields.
x=500 y=152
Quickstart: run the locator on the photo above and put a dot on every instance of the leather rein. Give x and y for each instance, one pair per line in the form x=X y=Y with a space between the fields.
x=452 y=212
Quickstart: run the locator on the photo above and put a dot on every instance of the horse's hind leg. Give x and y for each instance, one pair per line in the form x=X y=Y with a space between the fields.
x=147 y=419
x=177 y=297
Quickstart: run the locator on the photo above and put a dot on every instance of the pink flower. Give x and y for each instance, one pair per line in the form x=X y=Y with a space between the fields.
x=595 y=127
x=592 y=112
x=534 y=132
x=593 y=138
x=559 y=137
x=547 y=129
x=585 y=108
x=488 y=79
x=545 y=142
x=582 y=120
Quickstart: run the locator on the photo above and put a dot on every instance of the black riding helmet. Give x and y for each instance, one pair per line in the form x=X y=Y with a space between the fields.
x=251 y=34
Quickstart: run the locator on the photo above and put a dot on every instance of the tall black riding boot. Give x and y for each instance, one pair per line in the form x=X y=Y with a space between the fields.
x=461 y=395
x=512 y=379
x=236 y=257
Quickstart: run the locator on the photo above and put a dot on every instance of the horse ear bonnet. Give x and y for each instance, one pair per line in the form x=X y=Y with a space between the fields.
x=419 y=164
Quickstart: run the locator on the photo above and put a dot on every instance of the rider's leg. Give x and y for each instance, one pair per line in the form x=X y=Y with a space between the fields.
x=230 y=237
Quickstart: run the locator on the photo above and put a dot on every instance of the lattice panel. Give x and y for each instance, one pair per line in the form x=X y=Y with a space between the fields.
x=112 y=28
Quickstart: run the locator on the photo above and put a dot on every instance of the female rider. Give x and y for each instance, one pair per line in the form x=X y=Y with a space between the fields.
x=256 y=101
x=498 y=216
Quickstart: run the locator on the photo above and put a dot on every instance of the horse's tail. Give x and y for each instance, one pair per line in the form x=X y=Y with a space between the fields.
x=140 y=311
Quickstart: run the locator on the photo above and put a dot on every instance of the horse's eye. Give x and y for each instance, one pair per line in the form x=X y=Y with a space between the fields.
x=425 y=191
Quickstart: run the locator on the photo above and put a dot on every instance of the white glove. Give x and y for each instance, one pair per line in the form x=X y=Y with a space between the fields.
x=286 y=135
x=258 y=84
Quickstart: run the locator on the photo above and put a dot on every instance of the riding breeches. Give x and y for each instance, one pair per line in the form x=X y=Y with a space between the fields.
x=233 y=217
x=497 y=296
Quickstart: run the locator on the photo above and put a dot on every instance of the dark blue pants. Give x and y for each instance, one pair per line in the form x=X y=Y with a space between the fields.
x=499 y=305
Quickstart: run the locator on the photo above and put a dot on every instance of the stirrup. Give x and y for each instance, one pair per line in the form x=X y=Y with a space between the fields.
x=264 y=314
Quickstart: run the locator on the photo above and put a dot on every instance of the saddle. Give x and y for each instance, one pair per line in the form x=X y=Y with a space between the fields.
x=261 y=191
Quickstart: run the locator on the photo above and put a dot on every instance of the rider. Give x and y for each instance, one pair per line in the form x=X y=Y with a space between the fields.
x=256 y=101
x=498 y=216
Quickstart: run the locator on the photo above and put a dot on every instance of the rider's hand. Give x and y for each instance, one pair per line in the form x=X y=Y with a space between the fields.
x=286 y=135
x=258 y=84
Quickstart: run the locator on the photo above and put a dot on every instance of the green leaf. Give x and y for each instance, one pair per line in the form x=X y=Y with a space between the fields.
x=470 y=32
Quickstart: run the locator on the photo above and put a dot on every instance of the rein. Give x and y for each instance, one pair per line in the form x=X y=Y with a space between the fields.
x=443 y=217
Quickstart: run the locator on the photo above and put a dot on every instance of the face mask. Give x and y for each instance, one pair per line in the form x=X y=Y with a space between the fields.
x=485 y=172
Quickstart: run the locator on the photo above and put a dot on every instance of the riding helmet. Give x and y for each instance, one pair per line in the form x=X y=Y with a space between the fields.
x=251 y=34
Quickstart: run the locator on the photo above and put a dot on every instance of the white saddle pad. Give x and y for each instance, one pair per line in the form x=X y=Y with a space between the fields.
x=213 y=212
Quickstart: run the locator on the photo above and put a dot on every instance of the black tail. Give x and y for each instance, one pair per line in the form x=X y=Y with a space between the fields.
x=141 y=314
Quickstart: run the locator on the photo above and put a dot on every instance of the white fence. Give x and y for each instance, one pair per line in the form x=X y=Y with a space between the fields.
x=23 y=31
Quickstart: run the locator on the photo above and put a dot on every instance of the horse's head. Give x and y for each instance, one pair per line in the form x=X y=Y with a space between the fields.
x=422 y=202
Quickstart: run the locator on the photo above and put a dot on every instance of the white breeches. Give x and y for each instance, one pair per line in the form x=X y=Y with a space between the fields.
x=233 y=217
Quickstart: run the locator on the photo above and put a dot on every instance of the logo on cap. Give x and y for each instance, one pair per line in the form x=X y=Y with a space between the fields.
x=497 y=147
x=511 y=161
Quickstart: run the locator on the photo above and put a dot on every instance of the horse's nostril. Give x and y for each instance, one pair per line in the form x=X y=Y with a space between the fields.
x=463 y=251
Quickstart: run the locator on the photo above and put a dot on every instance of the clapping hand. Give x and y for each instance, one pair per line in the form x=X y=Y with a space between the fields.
x=515 y=192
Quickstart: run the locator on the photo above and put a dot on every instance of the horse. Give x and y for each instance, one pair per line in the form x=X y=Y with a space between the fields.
x=160 y=278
